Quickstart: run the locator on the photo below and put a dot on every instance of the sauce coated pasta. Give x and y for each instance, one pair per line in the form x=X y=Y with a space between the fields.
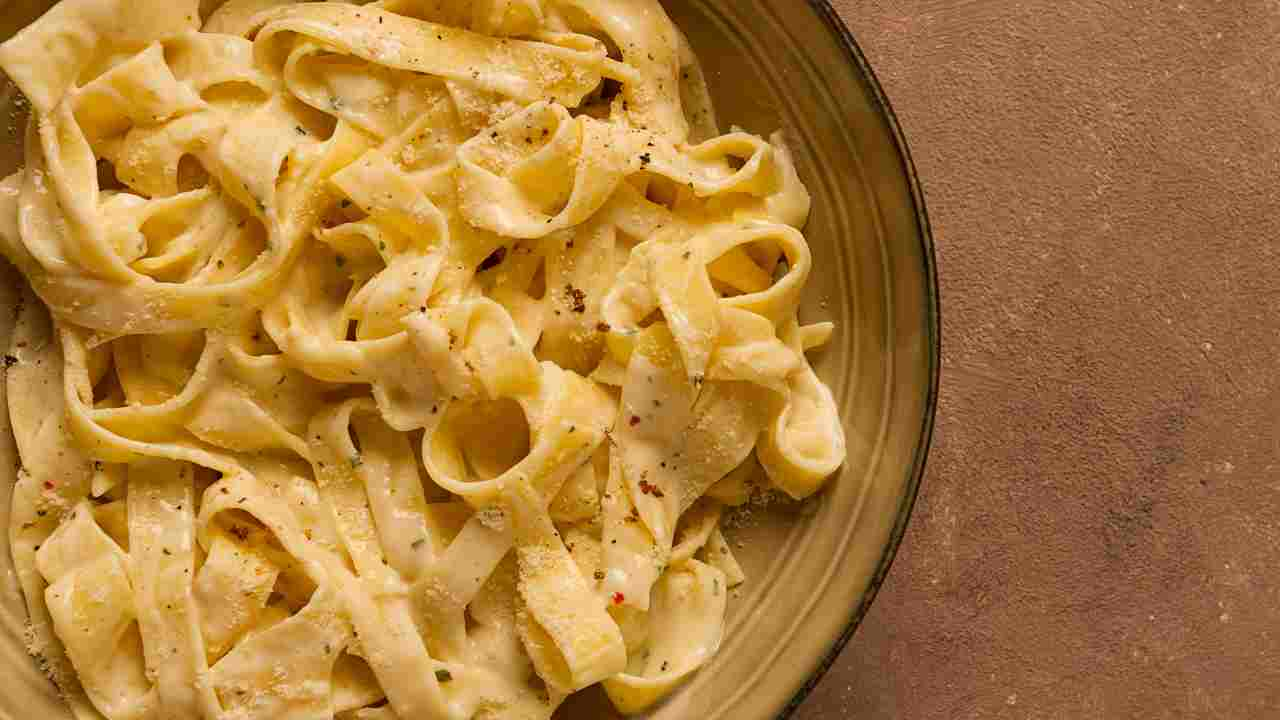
x=392 y=360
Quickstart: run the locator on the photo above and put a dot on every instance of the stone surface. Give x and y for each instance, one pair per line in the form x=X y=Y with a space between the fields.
x=1097 y=535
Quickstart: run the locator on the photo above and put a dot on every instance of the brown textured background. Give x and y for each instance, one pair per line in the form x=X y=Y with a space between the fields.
x=1099 y=530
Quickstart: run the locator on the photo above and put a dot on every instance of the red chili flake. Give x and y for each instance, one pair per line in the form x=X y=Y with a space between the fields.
x=48 y=485
x=649 y=488
x=618 y=598
x=635 y=420
x=603 y=327
x=577 y=298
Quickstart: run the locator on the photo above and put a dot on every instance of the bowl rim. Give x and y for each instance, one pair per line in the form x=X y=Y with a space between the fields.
x=853 y=53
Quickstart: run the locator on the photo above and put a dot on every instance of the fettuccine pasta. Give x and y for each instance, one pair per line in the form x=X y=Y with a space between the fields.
x=391 y=360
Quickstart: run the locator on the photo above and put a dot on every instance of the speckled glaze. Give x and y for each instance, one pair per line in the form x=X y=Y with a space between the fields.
x=813 y=567
x=1097 y=533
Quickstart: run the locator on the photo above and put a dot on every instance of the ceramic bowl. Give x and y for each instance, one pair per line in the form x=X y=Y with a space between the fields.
x=814 y=567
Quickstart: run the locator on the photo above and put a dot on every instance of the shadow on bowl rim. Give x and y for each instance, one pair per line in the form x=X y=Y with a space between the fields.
x=853 y=52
